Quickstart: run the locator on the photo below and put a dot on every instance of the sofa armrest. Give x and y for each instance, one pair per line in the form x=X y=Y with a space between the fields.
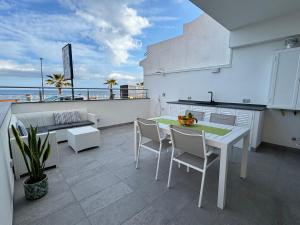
x=93 y=118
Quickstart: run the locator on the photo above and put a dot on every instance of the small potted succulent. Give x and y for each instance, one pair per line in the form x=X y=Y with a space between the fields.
x=35 y=154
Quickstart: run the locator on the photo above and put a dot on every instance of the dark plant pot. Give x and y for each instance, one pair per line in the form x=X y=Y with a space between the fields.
x=36 y=190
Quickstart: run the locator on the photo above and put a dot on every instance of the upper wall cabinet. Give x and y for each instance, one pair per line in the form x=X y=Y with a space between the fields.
x=284 y=88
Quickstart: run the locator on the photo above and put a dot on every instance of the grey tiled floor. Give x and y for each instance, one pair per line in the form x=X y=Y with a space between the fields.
x=102 y=186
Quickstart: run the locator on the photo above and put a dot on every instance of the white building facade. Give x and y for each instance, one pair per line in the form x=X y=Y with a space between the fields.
x=186 y=67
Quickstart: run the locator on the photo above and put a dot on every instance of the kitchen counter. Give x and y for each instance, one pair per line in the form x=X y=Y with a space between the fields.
x=229 y=105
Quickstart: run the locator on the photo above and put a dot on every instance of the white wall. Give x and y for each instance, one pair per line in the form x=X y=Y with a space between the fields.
x=109 y=112
x=191 y=49
x=6 y=175
x=275 y=29
x=279 y=129
x=248 y=76
x=233 y=14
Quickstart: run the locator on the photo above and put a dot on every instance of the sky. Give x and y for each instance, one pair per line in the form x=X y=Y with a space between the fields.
x=108 y=37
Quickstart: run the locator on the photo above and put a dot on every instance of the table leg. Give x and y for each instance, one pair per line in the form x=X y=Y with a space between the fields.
x=245 y=156
x=135 y=144
x=223 y=176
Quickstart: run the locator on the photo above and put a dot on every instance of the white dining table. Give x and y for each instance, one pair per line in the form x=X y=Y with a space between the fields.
x=224 y=143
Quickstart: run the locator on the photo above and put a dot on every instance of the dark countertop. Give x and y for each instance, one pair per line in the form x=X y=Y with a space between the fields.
x=4 y=107
x=229 y=105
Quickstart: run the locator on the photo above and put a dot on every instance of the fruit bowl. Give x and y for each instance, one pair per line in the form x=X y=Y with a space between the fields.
x=186 y=120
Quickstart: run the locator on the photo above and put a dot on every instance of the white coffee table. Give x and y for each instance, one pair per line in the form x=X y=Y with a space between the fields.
x=81 y=138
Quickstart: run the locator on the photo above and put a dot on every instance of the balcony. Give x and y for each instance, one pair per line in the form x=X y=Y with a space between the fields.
x=102 y=186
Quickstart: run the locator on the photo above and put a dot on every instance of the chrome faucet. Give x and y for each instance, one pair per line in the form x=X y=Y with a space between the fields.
x=211 y=96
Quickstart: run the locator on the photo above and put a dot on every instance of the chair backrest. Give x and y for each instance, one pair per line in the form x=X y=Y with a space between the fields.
x=148 y=129
x=222 y=119
x=188 y=140
x=198 y=115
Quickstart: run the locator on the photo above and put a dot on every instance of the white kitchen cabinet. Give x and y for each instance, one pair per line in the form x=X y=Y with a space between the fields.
x=226 y=111
x=174 y=109
x=256 y=128
x=285 y=81
x=183 y=108
x=197 y=108
x=244 y=118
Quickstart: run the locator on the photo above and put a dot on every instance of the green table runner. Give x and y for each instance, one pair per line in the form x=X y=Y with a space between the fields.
x=199 y=127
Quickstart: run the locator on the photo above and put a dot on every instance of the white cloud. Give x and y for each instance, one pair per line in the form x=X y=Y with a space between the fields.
x=114 y=24
x=119 y=76
x=9 y=68
x=179 y=1
x=102 y=34
x=4 y=5
x=162 y=18
x=10 y=65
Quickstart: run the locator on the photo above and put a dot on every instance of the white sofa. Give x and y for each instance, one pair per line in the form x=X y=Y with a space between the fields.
x=45 y=123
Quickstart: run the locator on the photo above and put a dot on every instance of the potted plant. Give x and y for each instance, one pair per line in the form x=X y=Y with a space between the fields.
x=35 y=154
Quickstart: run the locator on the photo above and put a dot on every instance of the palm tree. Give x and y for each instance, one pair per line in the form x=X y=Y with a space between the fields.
x=58 y=80
x=111 y=83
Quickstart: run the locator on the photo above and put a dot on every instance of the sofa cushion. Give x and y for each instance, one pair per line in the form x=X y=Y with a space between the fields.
x=76 y=117
x=66 y=117
x=45 y=129
x=61 y=118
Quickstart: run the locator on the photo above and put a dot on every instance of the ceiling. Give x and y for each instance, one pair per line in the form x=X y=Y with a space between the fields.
x=234 y=14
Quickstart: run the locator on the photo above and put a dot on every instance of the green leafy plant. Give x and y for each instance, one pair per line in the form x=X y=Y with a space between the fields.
x=35 y=154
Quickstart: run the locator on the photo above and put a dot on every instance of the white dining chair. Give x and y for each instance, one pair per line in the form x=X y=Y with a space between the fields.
x=150 y=138
x=222 y=119
x=197 y=114
x=200 y=117
x=189 y=149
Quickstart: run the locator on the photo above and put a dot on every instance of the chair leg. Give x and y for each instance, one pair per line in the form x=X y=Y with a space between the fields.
x=170 y=173
x=201 y=189
x=138 y=157
x=178 y=165
x=157 y=167
x=187 y=169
